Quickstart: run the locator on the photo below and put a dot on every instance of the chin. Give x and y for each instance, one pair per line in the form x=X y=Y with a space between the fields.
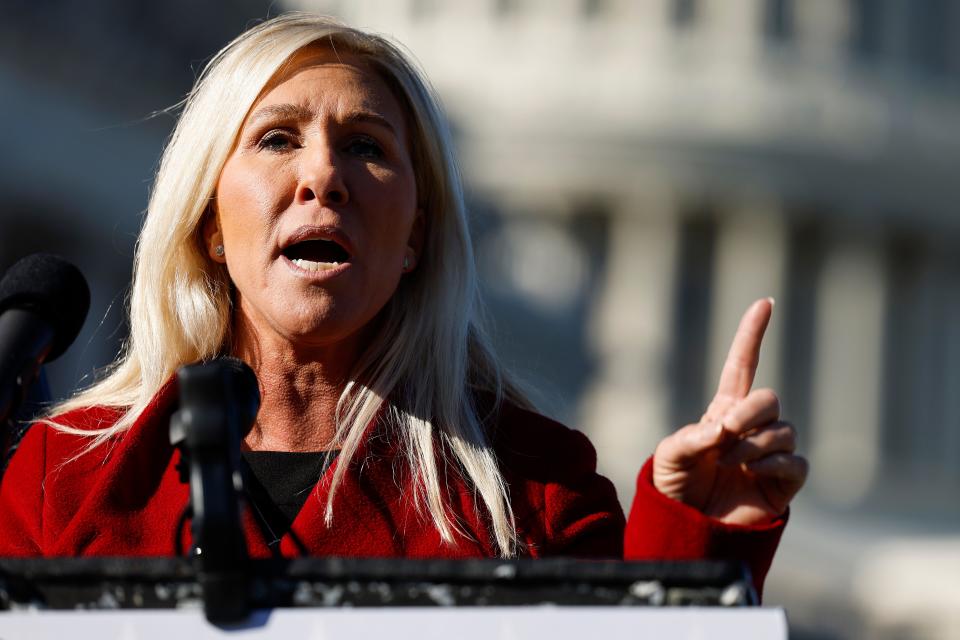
x=324 y=329
x=311 y=319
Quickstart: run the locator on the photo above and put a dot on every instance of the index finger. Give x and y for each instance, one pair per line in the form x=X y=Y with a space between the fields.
x=741 y=365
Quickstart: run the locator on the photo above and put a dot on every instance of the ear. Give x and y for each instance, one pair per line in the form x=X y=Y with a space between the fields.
x=415 y=242
x=213 y=238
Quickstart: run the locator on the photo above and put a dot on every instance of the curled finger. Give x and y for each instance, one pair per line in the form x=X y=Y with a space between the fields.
x=776 y=437
x=686 y=445
x=790 y=471
x=758 y=408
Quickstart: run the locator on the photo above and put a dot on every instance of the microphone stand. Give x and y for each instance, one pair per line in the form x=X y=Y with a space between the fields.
x=218 y=403
x=19 y=367
x=32 y=401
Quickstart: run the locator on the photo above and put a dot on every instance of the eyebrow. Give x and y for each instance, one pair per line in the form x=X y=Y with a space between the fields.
x=299 y=112
x=370 y=118
x=280 y=112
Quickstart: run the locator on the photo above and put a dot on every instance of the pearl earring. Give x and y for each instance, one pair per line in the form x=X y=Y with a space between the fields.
x=218 y=250
x=406 y=263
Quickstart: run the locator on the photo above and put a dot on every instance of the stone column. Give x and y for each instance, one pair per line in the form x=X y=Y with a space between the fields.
x=626 y=408
x=848 y=370
x=749 y=263
x=823 y=29
x=921 y=396
x=734 y=27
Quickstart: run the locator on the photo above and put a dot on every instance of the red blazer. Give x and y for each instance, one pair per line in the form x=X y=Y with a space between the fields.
x=124 y=499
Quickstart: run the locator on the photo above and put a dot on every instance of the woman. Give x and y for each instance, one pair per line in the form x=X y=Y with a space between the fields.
x=308 y=217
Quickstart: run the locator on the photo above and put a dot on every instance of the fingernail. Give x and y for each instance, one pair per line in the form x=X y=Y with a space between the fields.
x=773 y=301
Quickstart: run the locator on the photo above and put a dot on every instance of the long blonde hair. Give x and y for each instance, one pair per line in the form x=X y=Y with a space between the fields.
x=420 y=375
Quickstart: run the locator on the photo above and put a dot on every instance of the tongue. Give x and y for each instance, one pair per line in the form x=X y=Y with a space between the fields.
x=317 y=251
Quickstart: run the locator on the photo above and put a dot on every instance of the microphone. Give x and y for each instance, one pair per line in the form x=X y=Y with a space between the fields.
x=43 y=302
x=219 y=401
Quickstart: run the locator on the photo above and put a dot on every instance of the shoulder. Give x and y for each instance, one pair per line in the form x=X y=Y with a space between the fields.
x=561 y=504
x=543 y=448
x=71 y=476
x=48 y=444
x=65 y=428
x=33 y=482
x=97 y=420
x=66 y=435
x=88 y=418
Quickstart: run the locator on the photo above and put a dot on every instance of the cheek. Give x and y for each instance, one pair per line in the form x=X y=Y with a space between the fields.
x=392 y=239
x=247 y=194
x=395 y=203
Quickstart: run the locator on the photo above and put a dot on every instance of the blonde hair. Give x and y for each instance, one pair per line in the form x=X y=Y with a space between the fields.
x=180 y=305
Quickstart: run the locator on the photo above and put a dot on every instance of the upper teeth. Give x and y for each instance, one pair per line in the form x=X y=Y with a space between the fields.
x=310 y=265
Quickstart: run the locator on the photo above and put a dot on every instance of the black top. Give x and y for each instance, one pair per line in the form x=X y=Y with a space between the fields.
x=278 y=484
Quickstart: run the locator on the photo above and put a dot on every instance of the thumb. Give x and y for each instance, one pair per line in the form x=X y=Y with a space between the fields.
x=688 y=444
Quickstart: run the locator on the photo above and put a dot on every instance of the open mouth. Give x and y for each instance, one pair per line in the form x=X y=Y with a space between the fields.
x=316 y=254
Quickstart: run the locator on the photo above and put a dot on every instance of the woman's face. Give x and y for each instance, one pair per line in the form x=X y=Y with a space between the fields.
x=316 y=208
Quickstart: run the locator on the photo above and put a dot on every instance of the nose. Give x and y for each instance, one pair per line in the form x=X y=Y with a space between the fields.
x=321 y=179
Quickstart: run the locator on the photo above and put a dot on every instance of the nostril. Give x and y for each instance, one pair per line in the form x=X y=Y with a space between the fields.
x=333 y=194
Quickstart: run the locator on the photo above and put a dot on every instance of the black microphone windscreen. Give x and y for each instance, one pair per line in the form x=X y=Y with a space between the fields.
x=52 y=288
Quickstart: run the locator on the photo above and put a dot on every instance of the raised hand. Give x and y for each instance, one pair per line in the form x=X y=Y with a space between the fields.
x=737 y=464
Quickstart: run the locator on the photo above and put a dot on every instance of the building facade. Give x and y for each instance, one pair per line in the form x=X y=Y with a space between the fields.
x=639 y=171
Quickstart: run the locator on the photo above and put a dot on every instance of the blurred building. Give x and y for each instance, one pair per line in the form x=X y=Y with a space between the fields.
x=639 y=171
x=646 y=169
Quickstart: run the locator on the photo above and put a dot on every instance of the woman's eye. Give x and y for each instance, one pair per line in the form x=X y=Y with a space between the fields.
x=276 y=140
x=365 y=147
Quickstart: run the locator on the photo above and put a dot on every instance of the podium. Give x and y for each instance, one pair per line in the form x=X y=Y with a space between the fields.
x=319 y=598
x=217 y=591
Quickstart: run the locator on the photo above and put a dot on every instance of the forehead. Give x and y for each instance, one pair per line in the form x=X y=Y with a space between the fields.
x=325 y=81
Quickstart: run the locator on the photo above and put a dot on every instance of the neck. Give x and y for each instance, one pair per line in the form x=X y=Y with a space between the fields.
x=300 y=387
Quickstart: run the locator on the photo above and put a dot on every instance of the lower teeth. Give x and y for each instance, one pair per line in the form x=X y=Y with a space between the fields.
x=310 y=265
